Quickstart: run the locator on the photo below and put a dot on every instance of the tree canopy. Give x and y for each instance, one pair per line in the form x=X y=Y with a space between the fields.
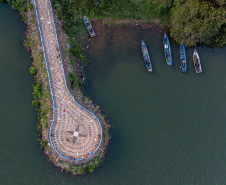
x=199 y=22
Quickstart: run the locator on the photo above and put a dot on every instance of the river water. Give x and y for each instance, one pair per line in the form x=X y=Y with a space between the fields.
x=168 y=127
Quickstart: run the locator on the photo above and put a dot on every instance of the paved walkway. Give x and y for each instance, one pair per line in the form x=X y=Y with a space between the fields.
x=76 y=134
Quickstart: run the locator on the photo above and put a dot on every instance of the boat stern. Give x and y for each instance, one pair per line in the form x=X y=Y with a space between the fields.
x=169 y=63
x=184 y=70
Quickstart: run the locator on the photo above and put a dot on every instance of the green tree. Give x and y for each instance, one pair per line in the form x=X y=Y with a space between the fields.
x=195 y=22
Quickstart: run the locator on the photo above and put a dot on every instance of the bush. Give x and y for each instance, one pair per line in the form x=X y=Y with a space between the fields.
x=32 y=70
x=39 y=127
x=35 y=104
x=29 y=6
x=91 y=168
x=78 y=52
x=43 y=143
x=75 y=82
x=24 y=19
x=28 y=43
x=45 y=124
x=37 y=90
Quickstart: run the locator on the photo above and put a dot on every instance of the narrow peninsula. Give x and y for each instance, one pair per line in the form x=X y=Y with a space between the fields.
x=72 y=131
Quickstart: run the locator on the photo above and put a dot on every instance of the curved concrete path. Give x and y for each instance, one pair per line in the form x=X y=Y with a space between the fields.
x=75 y=134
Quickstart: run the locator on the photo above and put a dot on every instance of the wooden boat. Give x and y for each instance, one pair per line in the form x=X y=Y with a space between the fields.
x=167 y=50
x=89 y=27
x=183 y=58
x=147 y=60
x=197 y=64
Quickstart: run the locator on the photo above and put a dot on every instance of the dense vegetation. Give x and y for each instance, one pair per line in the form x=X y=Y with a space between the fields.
x=72 y=12
x=192 y=21
x=199 y=22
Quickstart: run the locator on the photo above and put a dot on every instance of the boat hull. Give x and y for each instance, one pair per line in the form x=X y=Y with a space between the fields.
x=167 y=50
x=197 y=63
x=146 y=57
x=183 y=58
x=89 y=27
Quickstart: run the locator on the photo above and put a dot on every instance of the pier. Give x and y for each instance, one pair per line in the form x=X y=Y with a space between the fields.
x=75 y=133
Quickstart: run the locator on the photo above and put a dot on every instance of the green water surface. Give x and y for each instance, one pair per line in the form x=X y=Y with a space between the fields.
x=168 y=127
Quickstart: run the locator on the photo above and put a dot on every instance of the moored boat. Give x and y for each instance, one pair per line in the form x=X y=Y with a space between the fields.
x=197 y=63
x=89 y=27
x=167 y=50
x=147 y=60
x=183 y=62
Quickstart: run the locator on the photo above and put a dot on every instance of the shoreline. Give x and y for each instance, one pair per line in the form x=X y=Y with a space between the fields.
x=43 y=103
x=77 y=167
x=130 y=24
x=71 y=167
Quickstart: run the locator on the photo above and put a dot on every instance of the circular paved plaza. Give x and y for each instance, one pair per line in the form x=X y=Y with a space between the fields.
x=76 y=136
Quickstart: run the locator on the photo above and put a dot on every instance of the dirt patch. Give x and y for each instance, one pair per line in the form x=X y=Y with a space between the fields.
x=104 y=27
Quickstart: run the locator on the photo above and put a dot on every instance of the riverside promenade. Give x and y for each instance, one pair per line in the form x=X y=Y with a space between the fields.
x=75 y=133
